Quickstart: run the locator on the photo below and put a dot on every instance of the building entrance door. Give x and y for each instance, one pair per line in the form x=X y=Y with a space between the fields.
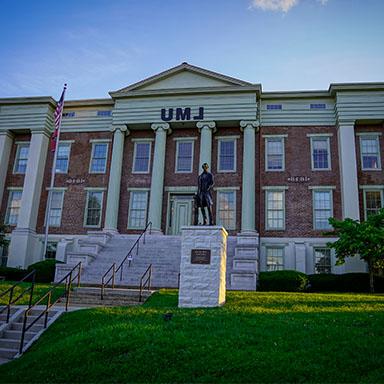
x=180 y=213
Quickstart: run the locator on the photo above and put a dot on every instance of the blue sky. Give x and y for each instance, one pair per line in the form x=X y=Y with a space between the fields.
x=99 y=46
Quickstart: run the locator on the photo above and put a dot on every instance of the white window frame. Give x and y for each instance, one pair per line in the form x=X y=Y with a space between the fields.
x=61 y=209
x=282 y=247
x=10 y=190
x=370 y=135
x=186 y=140
x=141 y=141
x=19 y=146
x=321 y=189
x=220 y=140
x=94 y=143
x=274 y=138
x=314 y=257
x=322 y=137
x=274 y=189
x=218 y=191
x=372 y=189
x=66 y=142
x=131 y=191
x=86 y=207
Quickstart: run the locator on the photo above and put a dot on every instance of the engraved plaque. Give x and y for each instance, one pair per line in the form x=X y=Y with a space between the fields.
x=200 y=256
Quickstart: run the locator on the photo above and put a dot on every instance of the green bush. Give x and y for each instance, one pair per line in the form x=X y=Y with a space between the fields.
x=283 y=281
x=347 y=282
x=12 y=274
x=45 y=270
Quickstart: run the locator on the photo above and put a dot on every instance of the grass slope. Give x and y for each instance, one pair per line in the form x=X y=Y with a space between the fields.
x=255 y=337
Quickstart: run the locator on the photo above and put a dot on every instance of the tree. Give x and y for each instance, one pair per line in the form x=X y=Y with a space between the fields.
x=365 y=239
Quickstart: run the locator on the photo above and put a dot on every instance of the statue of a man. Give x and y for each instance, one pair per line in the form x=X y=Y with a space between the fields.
x=204 y=196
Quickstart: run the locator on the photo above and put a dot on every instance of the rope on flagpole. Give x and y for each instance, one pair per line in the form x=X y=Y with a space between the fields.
x=53 y=173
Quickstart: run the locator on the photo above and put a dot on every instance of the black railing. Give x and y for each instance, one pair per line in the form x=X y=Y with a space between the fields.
x=112 y=271
x=68 y=279
x=145 y=281
x=12 y=301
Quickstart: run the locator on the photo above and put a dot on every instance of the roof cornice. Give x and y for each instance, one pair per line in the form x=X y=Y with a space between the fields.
x=295 y=94
x=340 y=87
x=88 y=102
x=28 y=100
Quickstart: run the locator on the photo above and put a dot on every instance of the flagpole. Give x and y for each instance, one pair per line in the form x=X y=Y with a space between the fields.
x=53 y=173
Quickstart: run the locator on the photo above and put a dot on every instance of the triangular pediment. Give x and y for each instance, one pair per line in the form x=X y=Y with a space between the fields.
x=184 y=76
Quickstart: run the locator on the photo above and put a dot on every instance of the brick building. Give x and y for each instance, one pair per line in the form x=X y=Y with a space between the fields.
x=283 y=163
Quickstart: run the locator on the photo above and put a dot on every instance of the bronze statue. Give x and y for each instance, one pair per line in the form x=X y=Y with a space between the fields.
x=203 y=199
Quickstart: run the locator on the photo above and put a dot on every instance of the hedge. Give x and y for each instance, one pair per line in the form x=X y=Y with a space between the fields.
x=13 y=274
x=45 y=270
x=283 y=281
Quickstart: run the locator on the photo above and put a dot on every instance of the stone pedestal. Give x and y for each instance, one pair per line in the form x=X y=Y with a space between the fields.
x=203 y=266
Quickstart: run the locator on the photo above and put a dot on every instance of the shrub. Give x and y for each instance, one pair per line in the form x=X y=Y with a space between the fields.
x=45 y=270
x=323 y=282
x=12 y=274
x=284 y=281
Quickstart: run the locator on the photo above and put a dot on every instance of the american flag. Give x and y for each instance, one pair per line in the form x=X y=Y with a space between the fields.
x=58 y=114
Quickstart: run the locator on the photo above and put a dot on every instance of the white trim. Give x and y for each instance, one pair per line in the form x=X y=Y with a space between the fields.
x=97 y=189
x=14 y=188
x=327 y=137
x=267 y=228
x=226 y=188
x=331 y=257
x=65 y=142
x=46 y=217
x=21 y=144
x=227 y=138
x=182 y=138
x=274 y=137
x=319 y=134
x=368 y=133
x=371 y=187
x=106 y=158
x=277 y=136
x=149 y=156
x=86 y=207
x=10 y=191
x=218 y=206
x=138 y=139
x=98 y=141
x=146 y=191
x=186 y=140
x=376 y=137
x=381 y=190
x=230 y=137
x=321 y=189
x=275 y=188
x=186 y=189
x=276 y=246
x=129 y=189
x=57 y=189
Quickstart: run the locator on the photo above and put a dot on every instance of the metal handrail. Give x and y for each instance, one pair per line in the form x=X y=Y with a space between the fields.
x=10 y=290
x=128 y=257
x=68 y=286
x=148 y=280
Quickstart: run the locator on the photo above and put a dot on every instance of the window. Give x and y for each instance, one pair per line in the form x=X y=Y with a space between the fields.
x=227 y=155
x=274 y=153
x=370 y=152
x=226 y=207
x=274 y=106
x=318 y=106
x=68 y=114
x=322 y=209
x=138 y=209
x=104 y=113
x=184 y=156
x=320 y=147
x=93 y=208
x=13 y=208
x=275 y=212
x=275 y=258
x=56 y=208
x=142 y=153
x=373 y=202
x=4 y=255
x=51 y=250
x=21 y=158
x=62 y=160
x=99 y=157
x=322 y=260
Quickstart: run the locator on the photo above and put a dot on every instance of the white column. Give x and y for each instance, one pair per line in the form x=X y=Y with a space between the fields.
x=248 y=186
x=6 y=140
x=205 y=128
x=25 y=246
x=157 y=181
x=113 y=196
x=348 y=171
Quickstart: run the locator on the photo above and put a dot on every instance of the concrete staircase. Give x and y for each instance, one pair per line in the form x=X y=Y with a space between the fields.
x=10 y=333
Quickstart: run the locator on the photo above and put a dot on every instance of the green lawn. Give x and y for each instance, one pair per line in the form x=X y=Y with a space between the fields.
x=255 y=337
x=39 y=291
